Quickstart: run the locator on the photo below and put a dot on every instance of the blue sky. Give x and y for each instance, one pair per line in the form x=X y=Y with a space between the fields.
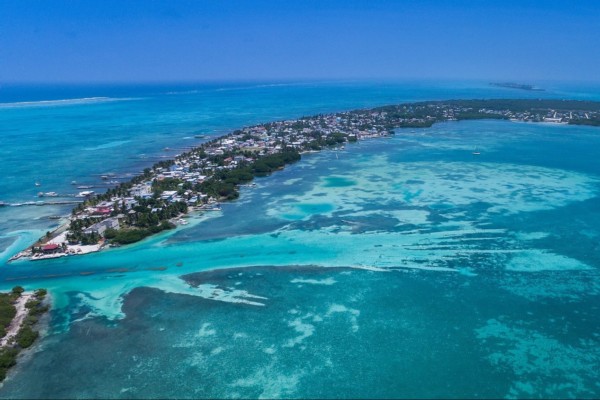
x=128 y=40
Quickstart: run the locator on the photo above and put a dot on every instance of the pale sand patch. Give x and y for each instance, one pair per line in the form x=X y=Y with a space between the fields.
x=17 y=321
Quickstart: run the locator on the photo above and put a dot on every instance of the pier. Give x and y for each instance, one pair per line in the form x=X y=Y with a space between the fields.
x=41 y=203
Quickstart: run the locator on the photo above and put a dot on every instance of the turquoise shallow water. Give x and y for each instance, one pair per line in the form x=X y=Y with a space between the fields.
x=449 y=275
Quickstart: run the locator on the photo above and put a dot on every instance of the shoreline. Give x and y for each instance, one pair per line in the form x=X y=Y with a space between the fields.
x=19 y=334
x=197 y=180
x=17 y=321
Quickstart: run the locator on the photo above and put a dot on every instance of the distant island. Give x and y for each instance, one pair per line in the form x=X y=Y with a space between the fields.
x=513 y=85
x=199 y=179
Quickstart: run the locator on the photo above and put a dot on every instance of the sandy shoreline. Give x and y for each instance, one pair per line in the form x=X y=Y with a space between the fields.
x=17 y=322
x=71 y=249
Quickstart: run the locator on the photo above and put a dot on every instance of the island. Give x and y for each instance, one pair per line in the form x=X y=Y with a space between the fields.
x=20 y=312
x=201 y=178
x=513 y=85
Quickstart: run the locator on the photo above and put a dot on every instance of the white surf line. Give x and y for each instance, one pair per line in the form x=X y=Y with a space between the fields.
x=451 y=240
x=398 y=267
x=426 y=268
x=370 y=268
x=457 y=247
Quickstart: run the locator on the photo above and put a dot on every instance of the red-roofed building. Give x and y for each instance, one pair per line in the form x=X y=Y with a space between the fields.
x=50 y=248
x=102 y=211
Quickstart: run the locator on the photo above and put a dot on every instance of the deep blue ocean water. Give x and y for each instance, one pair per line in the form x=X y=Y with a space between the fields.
x=402 y=267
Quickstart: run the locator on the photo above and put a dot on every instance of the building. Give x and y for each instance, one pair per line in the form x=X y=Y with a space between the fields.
x=100 y=227
x=51 y=248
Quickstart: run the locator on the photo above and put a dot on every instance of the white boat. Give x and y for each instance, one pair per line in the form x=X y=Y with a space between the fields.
x=47 y=194
x=211 y=207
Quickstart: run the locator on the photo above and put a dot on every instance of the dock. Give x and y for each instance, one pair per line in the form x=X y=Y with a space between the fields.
x=42 y=203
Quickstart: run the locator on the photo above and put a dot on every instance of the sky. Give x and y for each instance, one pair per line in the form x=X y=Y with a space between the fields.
x=222 y=40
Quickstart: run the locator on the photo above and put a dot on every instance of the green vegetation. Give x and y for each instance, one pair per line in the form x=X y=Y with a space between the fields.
x=27 y=334
x=273 y=162
x=17 y=290
x=7 y=309
x=464 y=115
x=79 y=237
x=132 y=235
x=589 y=122
x=223 y=184
x=26 y=337
x=8 y=358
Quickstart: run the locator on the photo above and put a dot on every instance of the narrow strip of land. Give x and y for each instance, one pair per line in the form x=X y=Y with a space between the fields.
x=17 y=322
x=20 y=312
x=202 y=177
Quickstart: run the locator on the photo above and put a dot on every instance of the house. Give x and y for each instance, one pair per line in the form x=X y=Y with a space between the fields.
x=102 y=211
x=100 y=227
x=167 y=194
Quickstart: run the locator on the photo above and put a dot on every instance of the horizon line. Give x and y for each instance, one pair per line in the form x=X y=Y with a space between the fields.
x=290 y=80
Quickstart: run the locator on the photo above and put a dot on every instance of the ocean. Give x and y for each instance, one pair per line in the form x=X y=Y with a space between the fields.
x=397 y=267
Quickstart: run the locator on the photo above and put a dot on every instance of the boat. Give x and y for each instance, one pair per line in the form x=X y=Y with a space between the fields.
x=84 y=187
x=476 y=152
x=38 y=184
x=85 y=193
x=182 y=221
x=47 y=194
x=200 y=136
x=211 y=207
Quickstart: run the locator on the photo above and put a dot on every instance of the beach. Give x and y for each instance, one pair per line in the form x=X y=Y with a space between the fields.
x=17 y=321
